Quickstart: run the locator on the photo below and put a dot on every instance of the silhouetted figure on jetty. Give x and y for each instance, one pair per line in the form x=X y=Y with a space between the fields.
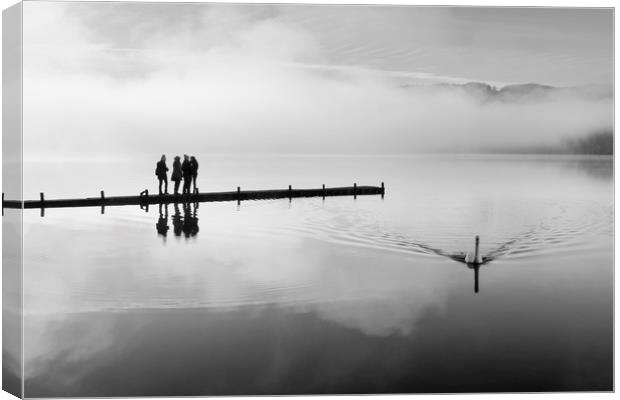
x=162 y=173
x=186 y=169
x=177 y=221
x=194 y=169
x=162 y=223
x=176 y=174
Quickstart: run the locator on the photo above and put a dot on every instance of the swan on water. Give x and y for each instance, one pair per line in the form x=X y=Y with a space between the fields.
x=474 y=258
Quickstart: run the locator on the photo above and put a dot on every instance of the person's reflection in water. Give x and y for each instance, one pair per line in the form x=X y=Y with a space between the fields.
x=162 y=223
x=177 y=221
x=190 y=223
x=186 y=225
x=195 y=229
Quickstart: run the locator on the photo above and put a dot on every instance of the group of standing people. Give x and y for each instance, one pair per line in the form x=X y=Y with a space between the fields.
x=188 y=171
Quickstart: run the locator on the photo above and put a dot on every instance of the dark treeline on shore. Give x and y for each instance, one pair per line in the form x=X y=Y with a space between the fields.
x=601 y=142
x=596 y=143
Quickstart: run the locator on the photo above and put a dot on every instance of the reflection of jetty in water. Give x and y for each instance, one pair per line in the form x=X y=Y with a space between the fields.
x=182 y=225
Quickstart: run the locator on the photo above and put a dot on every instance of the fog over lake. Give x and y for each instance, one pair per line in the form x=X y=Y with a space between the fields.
x=308 y=79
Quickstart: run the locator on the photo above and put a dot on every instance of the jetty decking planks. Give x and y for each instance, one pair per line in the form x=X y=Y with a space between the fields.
x=237 y=195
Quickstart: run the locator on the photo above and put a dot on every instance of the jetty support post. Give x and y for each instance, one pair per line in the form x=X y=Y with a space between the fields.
x=323 y=192
x=290 y=193
x=2 y=203
x=382 y=189
x=145 y=206
x=42 y=196
x=102 y=202
x=238 y=195
x=354 y=190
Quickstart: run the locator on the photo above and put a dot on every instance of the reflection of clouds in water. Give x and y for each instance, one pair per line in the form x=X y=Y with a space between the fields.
x=268 y=349
x=380 y=317
x=248 y=350
x=596 y=167
x=48 y=339
x=378 y=293
x=11 y=300
x=327 y=280
x=199 y=352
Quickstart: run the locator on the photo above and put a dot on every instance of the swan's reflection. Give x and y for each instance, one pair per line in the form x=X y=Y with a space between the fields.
x=476 y=269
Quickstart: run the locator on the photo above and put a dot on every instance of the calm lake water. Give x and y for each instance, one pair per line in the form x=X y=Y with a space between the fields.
x=317 y=296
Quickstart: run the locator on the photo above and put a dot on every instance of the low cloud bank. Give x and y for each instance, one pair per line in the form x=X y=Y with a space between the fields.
x=263 y=87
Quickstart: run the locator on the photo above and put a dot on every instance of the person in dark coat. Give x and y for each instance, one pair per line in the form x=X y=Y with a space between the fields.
x=194 y=168
x=176 y=174
x=162 y=173
x=186 y=169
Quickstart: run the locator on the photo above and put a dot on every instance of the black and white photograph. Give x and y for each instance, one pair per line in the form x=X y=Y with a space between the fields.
x=246 y=199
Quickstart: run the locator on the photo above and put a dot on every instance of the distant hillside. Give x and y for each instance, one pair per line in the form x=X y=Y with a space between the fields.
x=520 y=93
x=590 y=140
x=596 y=143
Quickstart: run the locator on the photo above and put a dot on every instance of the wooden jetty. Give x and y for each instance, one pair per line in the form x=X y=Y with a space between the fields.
x=144 y=198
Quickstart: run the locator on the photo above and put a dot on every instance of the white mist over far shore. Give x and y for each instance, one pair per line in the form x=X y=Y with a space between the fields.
x=239 y=81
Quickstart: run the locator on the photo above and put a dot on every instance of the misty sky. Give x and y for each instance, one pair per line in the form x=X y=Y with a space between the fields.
x=123 y=77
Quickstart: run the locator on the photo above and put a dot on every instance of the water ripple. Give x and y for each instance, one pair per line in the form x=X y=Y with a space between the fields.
x=564 y=225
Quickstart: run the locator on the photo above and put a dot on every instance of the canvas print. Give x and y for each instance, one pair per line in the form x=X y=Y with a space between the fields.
x=296 y=199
